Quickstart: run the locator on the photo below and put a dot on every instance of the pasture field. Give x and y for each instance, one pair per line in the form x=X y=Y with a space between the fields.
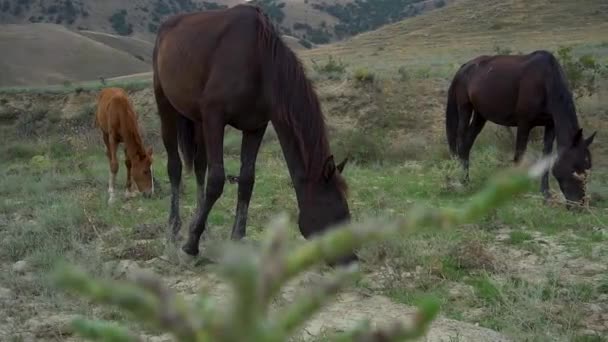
x=530 y=271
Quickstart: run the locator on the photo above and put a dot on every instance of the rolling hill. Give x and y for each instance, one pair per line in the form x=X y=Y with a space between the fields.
x=471 y=27
x=317 y=21
x=42 y=54
x=437 y=39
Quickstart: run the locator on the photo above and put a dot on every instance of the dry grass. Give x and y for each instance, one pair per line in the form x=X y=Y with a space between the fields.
x=44 y=54
x=138 y=48
x=450 y=35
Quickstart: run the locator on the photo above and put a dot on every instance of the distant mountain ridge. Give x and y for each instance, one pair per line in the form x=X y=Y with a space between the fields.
x=312 y=21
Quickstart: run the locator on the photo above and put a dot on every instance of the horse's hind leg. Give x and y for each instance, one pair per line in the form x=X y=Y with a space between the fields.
x=213 y=137
x=250 y=147
x=474 y=129
x=521 y=143
x=111 y=147
x=168 y=118
x=464 y=119
x=547 y=149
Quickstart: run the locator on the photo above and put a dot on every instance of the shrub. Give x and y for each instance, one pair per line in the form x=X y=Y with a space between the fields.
x=581 y=72
x=332 y=68
x=305 y=43
x=499 y=50
x=364 y=76
x=120 y=23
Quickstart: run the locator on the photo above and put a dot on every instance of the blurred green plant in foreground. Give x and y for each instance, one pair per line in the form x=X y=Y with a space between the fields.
x=258 y=275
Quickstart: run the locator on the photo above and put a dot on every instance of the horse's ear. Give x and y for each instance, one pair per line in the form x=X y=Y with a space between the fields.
x=589 y=140
x=578 y=137
x=329 y=168
x=340 y=166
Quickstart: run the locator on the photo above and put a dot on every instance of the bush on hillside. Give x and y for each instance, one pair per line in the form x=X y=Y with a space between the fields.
x=364 y=76
x=365 y=15
x=582 y=72
x=273 y=8
x=333 y=68
x=120 y=23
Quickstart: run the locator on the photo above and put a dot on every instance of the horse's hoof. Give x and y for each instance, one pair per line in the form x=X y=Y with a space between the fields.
x=344 y=261
x=190 y=249
x=238 y=236
x=111 y=200
x=184 y=257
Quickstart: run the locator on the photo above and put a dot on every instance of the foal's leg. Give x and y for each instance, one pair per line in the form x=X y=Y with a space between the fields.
x=213 y=136
x=168 y=118
x=130 y=190
x=250 y=146
x=547 y=149
x=523 y=132
x=112 y=146
x=474 y=129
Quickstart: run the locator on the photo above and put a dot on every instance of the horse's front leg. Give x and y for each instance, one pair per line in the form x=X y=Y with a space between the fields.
x=130 y=189
x=521 y=143
x=250 y=147
x=110 y=141
x=547 y=149
x=213 y=137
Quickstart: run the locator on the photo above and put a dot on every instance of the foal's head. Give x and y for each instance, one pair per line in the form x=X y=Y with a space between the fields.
x=572 y=168
x=141 y=171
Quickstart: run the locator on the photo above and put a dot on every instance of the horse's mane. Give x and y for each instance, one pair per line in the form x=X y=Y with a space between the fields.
x=293 y=100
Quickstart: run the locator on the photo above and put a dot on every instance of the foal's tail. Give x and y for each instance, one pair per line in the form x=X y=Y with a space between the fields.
x=186 y=140
x=451 y=117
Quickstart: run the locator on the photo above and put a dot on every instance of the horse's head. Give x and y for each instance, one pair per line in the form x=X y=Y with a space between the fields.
x=325 y=204
x=572 y=168
x=141 y=171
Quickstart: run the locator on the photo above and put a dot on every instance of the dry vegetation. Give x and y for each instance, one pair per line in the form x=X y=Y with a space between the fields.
x=44 y=54
x=528 y=272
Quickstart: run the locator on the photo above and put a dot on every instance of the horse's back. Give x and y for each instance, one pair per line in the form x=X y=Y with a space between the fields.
x=197 y=48
x=507 y=89
x=112 y=106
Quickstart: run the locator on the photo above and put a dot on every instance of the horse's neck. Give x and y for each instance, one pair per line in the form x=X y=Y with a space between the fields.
x=132 y=140
x=566 y=126
x=293 y=158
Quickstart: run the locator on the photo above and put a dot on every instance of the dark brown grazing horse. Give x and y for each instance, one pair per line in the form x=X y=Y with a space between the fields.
x=522 y=91
x=230 y=67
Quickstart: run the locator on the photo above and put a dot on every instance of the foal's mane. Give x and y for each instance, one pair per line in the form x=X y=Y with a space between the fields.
x=293 y=100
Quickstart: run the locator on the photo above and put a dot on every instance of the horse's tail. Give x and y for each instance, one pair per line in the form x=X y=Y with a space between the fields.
x=451 y=117
x=186 y=140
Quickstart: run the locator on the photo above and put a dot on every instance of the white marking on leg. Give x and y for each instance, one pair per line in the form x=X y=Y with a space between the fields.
x=152 y=177
x=111 y=183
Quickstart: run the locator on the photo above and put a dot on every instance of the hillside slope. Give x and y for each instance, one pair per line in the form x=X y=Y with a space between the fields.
x=471 y=27
x=314 y=20
x=140 y=49
x=39 y=54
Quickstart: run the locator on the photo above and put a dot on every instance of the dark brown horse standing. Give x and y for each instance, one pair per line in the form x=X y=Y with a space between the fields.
x=230 y=67
x=522 y=91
